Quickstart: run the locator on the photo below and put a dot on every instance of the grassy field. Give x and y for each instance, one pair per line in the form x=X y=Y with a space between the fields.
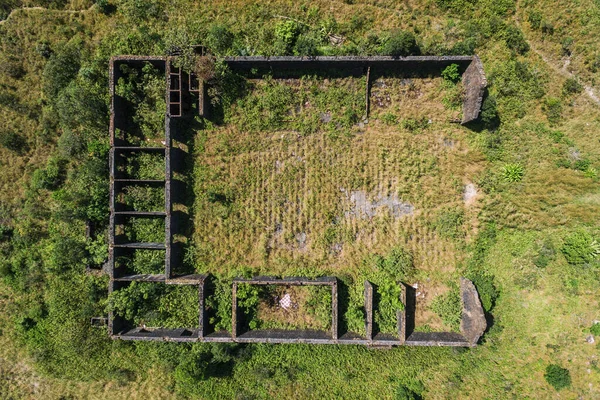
x=291 y=180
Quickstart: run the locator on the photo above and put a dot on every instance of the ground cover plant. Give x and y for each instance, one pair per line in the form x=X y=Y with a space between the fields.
x=525 y=238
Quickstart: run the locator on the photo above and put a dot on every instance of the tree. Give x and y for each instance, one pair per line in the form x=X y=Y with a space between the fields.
x=12 y=141
x=400 y=43
x=557 y=376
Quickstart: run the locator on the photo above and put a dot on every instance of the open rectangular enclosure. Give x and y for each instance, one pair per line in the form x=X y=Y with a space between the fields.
x=310 y=191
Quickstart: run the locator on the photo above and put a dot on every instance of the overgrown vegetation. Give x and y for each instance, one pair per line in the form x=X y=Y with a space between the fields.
x=380 y=200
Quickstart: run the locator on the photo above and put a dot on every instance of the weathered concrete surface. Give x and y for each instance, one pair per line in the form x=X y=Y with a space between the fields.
x=475 y=83
x=473 y=323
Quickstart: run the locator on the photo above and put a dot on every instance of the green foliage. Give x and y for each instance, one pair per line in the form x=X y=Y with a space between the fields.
x=451 y=73
x=545 y=255
x=389 y=119
x=61 y=68
x=141 y=10
x=572 y=86
x=155 y=305
x=557 y=376
x=307 y=45
x=488 y=293
x=516 y=83
x=515 y=40
x=400 y=43
x=12 y=141
x=286 y=33
x=567 y=46
x=398 y=264
x=219 y=39
x=449 y=307
x=595 y=329
x=513 y=173
x=414 y=125
x=534 y=18
x=457 y=6
x=580 y=248
x=50 y=177
x=387 y=304
x=144 y=90
x=404 y=393
x=489 y=113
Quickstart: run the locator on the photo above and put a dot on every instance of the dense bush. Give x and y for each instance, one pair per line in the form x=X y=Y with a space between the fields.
x=141 y=10
x=307 y=45
x=489 y=113
x=12 y=141
x=50 y=177
x=572 y=86
x=451 y=73
x=61 y=68
x=400 y=43
x=286 y=33
x=580 y=248
x=552 y=107
x=219 y=39
x=515 y=40
x=557 y=376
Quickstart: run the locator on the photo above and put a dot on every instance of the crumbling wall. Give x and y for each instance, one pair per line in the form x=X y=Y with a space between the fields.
x=474 y=82
x=473 y=322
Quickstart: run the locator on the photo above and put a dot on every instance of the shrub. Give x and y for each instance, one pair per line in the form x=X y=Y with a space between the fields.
x=12 y=141
x=219 y=39
x=552 y=107
x=306 y=45
x=488 y=293
x=489 y=113
x=50 y=177
x=61 y=68
x=515 y=40
x=400 y=43
x=404 y=393
x=545 y=255
x=595 y=329
x=535 y=19
x=449 y=307
x=558 y=377
x=513 y=173
x=580 y=248
x=451 y=73
x=571 y=86
x=286 y=33
x=140 y=10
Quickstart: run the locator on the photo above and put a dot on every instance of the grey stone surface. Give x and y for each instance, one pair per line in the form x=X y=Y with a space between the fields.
x=473 y=322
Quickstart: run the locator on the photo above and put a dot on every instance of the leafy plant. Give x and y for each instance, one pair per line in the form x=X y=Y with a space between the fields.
x=580 y=248
x=451 y=73
x=558 y=377
x=515 y=40
x=513 y=173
